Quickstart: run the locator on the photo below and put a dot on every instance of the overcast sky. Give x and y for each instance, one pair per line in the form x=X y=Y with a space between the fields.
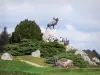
x=79 y=20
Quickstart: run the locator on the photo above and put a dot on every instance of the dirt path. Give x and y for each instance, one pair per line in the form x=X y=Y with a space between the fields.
x=31 y=63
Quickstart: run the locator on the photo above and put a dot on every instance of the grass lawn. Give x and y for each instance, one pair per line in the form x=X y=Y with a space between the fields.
x=40 y=61
x=15 y=67
x=21 y=66
x=84 y=71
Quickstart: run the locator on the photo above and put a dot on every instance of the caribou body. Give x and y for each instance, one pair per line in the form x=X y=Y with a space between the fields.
x=52 y=24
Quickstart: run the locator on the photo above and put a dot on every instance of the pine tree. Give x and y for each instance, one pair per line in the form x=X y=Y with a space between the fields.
x=27 y=29
x=4 y=38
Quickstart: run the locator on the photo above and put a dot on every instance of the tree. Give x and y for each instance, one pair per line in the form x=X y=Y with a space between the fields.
x=26 y=29
x=96 y=54
x=4 y=38
x=92 y=53
x=15 y=37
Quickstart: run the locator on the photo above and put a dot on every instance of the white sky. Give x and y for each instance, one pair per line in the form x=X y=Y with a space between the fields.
x=79 y=20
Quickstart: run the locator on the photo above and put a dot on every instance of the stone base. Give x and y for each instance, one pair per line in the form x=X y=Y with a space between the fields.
x=49 y=35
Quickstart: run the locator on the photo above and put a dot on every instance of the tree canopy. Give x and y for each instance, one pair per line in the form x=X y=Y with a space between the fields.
x=26 y=29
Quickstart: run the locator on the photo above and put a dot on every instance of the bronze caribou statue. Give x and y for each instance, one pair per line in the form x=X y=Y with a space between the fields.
x=52 y=24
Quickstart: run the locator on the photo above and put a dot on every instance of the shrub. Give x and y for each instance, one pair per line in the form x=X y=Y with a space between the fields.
x=77 y=60
x=15 y=53
x=26 y=46
x=52 y=48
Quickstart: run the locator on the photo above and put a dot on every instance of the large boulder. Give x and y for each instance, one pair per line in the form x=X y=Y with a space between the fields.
x=69 y=48
x=80 y=52
x=92 y=63
x=85 y=57
x=49 y=35
x=7 y=56
x=36 y=53
x=96 y=59
x=66 y=63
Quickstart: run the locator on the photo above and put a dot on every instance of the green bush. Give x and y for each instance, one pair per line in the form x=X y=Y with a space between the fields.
x=15 y=53
x=52 y=48
x=11 y=47
x=77 y=60
x=26 y=46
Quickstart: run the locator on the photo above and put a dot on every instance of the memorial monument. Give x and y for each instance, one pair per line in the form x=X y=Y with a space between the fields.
x=50 y=35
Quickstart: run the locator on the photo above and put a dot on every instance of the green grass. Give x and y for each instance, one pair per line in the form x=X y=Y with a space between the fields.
x=40 y=61
x=14 y=73
x=84 y=71
x=21 y=66
x=16 y=67
x=54 y=71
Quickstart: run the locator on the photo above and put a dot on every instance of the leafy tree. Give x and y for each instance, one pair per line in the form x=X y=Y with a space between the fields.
x=96 y=54
x=92 y=53
x=4 y=38
x=26 y=29
x=15 y=37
